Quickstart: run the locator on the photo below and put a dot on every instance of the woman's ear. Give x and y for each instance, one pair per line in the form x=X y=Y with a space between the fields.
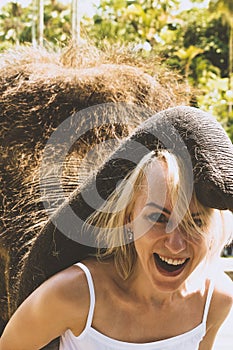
x=128 y=219
x=128 y=227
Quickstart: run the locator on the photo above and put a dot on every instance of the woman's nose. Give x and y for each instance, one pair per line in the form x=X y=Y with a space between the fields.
x=175 y=241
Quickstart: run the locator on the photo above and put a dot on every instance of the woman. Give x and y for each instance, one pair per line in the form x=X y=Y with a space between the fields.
x=151 y=287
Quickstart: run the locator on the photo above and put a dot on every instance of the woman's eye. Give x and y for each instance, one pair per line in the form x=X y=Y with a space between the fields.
x=198 y=222
x=158 y=217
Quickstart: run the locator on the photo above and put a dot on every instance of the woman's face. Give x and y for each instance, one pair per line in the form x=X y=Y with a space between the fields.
x=167 y=259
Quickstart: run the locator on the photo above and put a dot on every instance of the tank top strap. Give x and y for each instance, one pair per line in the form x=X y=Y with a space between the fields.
x=91 y=291
x=208 y=301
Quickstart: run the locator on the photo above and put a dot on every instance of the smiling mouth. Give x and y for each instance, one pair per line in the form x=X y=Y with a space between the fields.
x=170 y=267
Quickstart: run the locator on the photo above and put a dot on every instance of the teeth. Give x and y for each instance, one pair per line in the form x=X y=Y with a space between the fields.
x=172 y=261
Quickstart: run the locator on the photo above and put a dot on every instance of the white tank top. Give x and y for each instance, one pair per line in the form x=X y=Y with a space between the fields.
x=90 y=339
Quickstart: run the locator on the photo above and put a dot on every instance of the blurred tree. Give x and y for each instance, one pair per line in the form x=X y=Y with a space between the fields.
x=40 y=22
x=131 y=21
x=57 y=22
x=12 y=23
x=210 y=35
x=187 y=56
x=33 y=22
x=20 y=24
x=75 y=21
x=224 y=9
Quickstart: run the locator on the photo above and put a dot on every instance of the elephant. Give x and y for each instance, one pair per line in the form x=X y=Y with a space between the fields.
x=40 y=90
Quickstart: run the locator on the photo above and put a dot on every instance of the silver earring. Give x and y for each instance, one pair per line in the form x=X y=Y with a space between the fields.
x=129 y=234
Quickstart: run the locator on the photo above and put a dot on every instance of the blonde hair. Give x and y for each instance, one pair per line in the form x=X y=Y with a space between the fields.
x=109 y=222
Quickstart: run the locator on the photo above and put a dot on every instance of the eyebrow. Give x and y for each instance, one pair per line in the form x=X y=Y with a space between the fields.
x=152 y=204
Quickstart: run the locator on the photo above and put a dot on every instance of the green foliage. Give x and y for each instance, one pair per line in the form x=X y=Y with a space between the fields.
x=211 y=36
x=137 y=21
x=57 y=23
x=16 y=23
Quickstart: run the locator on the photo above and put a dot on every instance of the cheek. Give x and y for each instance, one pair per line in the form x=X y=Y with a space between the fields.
x=196 y=239
x=201 y=247
x=143 y=245
x=146 y=232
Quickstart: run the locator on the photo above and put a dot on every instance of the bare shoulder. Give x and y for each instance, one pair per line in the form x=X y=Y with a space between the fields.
x=103 y=271
x=65 y=294
x=221 y=304
x=69 y=284
x=223 y=289
x=222 y=299
x=60 y=303
x=70 y=288
x=105 y=278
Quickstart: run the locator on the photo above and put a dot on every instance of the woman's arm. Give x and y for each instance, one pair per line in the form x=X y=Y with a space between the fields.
x=60 y=303
x=221 y=304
